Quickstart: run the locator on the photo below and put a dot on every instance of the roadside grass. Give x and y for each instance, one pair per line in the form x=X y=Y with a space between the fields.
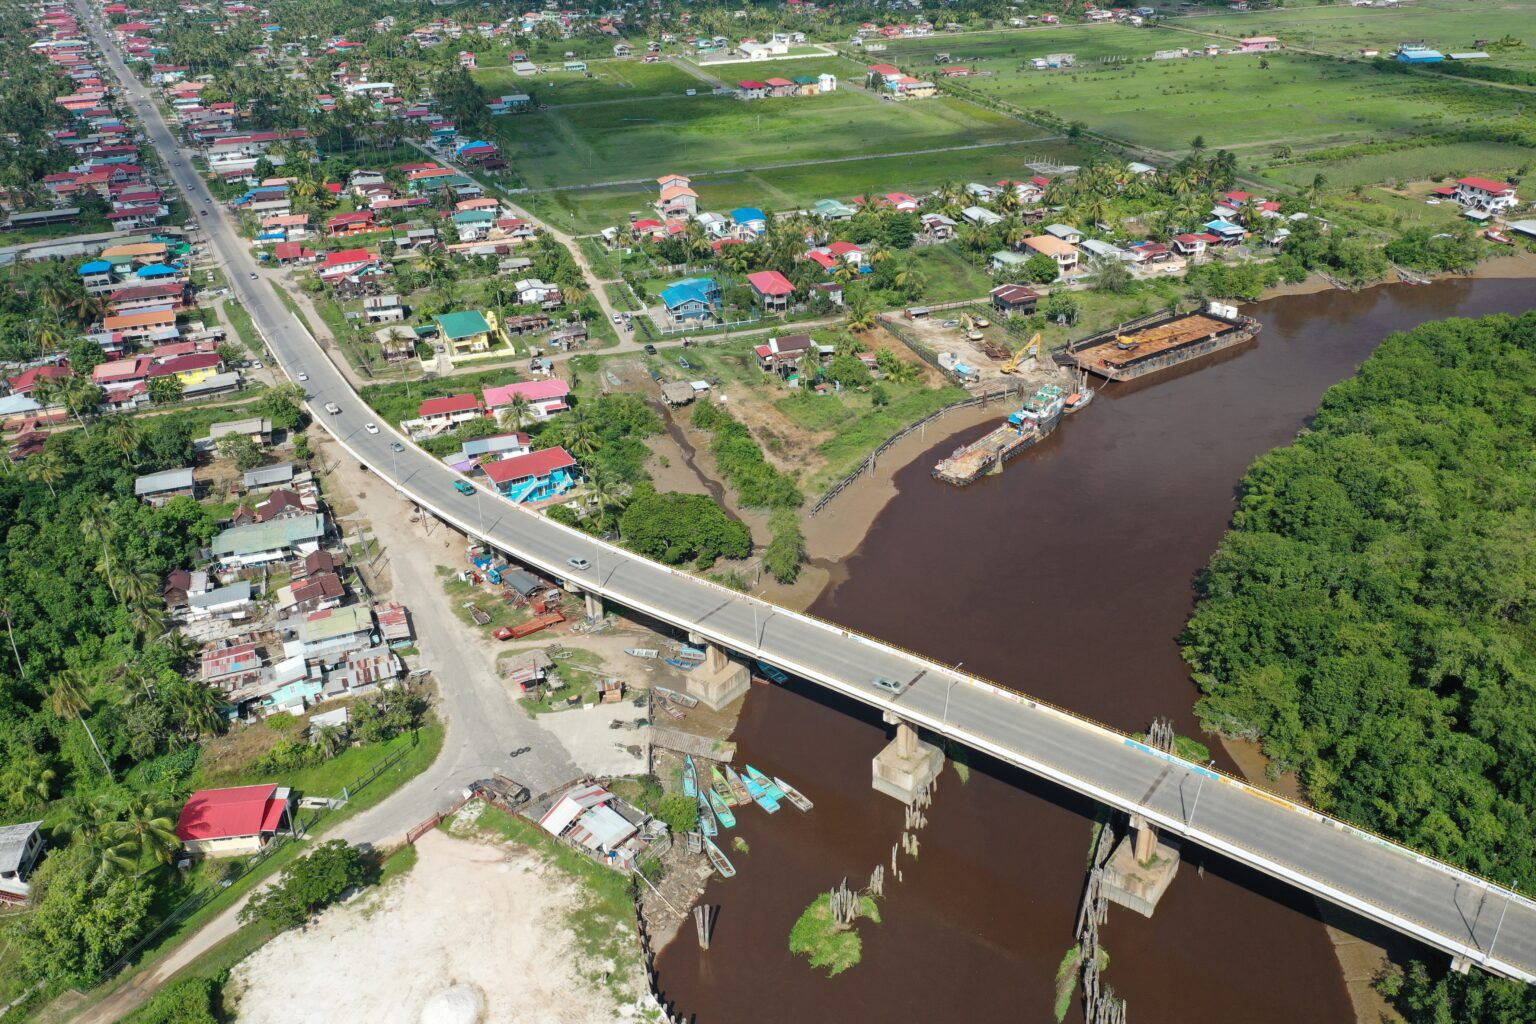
x=600 y=259
x=604 y=922
x=240 y=320
x=400 y=400
x=293 y=307
x=788 y=188
x=618 y=295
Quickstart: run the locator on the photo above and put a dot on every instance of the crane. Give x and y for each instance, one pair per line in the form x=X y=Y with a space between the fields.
x=1029 y=349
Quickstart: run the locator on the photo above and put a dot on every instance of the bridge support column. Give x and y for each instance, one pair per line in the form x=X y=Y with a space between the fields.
x=907 y=765
x=719 y=680
x=1140 y=869
x=594 y=605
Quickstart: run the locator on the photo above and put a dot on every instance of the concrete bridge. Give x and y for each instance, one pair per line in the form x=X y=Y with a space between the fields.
x=1475 y=921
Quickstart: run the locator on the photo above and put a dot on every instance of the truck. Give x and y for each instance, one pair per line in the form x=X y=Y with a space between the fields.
x=533 y=625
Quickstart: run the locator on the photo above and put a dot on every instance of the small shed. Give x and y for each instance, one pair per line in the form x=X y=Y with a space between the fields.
x=677 y=393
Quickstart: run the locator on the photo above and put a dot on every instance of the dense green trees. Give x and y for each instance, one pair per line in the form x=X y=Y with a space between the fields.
x=1370 y=615
x=741 y=461
x=84 y=918
x=682 y=527
x=310 y=884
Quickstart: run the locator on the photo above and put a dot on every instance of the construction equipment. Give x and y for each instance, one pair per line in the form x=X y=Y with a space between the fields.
x=1028 y=350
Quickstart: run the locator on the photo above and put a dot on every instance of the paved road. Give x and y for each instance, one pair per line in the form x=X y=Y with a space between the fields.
x=1454 y=911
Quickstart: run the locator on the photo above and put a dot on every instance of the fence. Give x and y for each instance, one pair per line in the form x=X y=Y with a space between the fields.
x=869 y=462
x=919 y=349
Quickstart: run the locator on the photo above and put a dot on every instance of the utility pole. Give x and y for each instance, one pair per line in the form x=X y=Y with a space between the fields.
x=1507 y=897
x=950 y=690
x=1191 y=818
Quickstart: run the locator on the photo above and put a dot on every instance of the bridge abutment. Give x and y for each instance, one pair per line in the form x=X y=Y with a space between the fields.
x=907 y=765
x=719 y=680
x=594 y=605
x=1140 y=868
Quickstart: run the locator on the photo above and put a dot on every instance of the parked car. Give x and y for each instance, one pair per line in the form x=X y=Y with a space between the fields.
x=650 y=349
x=303 y=377
x=617 y=318
x=464 y=487
x=890 y=686
x=372 y=428
x=578 y=563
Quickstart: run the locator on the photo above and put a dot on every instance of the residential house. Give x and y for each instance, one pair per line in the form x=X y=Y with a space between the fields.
x=691 y=300
x=383 y=309
x=254 y=427
x=20 y=846
x=752 y=89
x=537 y=476
x=783 y=354
x=1103 y=252
x=159 y=488
x=532 y=291
x=394 y=624
x=1225 y=232
x=330 y=635
x=1258 y=44
x=545 y=398
x=833 y=209
x=141 y=326
x=469 y=332
x=980 y=216
x=229 y=668
x=263 y=477
x=1192 y=245
x=1014 y=300
x=260 y=543
x=230 y=602
x=314 y=593
x=778 y=88
x=284 y=504
x=346 y=262
x=1007 y=261
x=677 y=199
x=1066 y=232
x=1061 y=251
x=190 y=370
x=749 y=221
x=358 y=222
x=772 y=289
x=234 y=822
x=587 y=816
x=498 y=446
x=440 y=414
x=938 y=227
x=826 y=83
x=1486 y=194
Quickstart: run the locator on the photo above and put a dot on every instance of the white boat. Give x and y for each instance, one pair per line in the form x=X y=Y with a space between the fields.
x=642 y=652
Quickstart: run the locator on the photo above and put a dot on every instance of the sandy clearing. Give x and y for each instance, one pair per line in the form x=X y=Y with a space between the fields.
x=469 y=912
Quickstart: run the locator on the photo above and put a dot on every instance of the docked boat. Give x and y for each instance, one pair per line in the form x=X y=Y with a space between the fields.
x=771 y=787
x=1078 y=398
x=799 y=799
x=686 y=666
x=1024 y=429
x=720 y=787
x=740 y=794
x=685 y=653
x=772 y=674
x=760 y=794
x=718 y=858
x=682 y=700
x=1160 y=341
x=642 y=652
x=707 y=823
x=722 y=810
x=690 y=777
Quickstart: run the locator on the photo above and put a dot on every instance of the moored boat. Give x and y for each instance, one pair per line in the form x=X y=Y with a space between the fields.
x=721 y=862
x=799 y=799
x=773 y=674
x=707 y=823
x=740 y=794
x=720 y=787
x=722 y=809
x=690 y=777
x=686 y=653
x=642 y=652
x=686 y=666
x=771 y=787
x=760 y=795
x=677 y=697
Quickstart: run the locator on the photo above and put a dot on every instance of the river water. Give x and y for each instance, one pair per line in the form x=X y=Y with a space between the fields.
x=1069 y=577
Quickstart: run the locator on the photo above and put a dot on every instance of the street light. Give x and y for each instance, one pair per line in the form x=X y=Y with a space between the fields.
x=1189 y=820
x=951 y=689
x=1509 y=895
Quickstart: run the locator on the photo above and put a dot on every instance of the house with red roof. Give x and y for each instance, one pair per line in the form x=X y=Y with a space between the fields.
x=751 y=89
x=537 y=476
x=1192 y=245
x=26 y=382
x=442 y=413
x=1486 y=194
x=234 y=822
x=772 y=289
x=355 y=223
x=780 y=87
x=346 y=262
x=289 y=253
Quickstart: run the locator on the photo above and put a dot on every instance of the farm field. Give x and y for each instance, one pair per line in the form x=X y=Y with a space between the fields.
x=815 y=64
x=611 y=80
x=1445 y=25
x=788 y=188
x=1452 y=160
x=627 y=142
x=1004 y=50
x=1297 y=100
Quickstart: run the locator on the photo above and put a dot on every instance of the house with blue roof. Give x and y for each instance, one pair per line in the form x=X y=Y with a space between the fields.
x=157 y=272
x=749 y=219
x=1407 y=54
x=97 y=274
x=691 y=300
x=1226 y=231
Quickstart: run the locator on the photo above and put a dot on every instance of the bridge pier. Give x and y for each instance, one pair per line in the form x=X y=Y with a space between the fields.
x=1140 y=869
x=594 y=605
x=719 y=680
x=907 y=765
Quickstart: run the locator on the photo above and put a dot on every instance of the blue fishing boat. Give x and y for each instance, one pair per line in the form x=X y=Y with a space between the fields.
x=690 y=777
x=721 y=862
x=760 y=795
x=707 y=823
x=721 y=808
x=772 y=674
x=767 y=783
x=686 y=666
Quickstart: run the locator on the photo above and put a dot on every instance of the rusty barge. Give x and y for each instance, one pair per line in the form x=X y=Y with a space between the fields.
x=1160 y=342
x=1024 y=429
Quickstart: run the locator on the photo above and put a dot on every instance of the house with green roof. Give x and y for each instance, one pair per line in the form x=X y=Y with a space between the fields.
x=470 y=334
x=259 y=543
x=834 y=209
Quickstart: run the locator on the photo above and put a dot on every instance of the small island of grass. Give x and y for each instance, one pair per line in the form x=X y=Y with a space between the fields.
x=828 y=943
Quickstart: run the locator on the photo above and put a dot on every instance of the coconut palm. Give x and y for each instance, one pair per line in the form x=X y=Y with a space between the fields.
x=861 y=315
x=97 y=527
x=46 y=468
x=200 y=709
x=124 y=435
x=70 y=696
x=147 y=832
x=582 y=440
x=517 y=412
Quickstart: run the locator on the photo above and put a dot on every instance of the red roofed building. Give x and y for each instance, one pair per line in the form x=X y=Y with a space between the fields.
x=345 y=262
x=440 y=413
x=545 y=397
x=356 y=223
x=1486 y=194
x=233 y=822
x=537 y=476
x=293 y=252
x=772 y=289
x=25 y=383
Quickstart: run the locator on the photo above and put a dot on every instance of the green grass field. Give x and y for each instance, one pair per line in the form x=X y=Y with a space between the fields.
x=759 y=70
x=611 y=80
x=996 y=51
x=1453 y=160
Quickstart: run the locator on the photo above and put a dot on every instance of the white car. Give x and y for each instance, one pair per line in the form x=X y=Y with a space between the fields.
x=303 y=377
x=1433 y=202
x=617 y=318
x=372 y=428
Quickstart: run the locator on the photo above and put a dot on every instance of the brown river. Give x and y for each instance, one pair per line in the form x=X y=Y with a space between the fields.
x=1069 y=577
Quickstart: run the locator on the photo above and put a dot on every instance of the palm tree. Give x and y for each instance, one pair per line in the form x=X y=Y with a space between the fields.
x=48 y=469
x=6 y=612
x=69 y=697
x=583 y=440
x=517 y=412
x=124 y=434
x=861 y=315
x=96 y=527
x=203 y=712
x=29 y=781
x=148 y=833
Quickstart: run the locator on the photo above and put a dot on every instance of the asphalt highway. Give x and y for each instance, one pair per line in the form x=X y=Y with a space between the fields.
x=1459 y=913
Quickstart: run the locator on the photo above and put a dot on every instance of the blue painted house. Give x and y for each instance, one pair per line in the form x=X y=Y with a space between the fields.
x=537 y=476
x=692 y=299
x=1418 y=55
x=749 y=218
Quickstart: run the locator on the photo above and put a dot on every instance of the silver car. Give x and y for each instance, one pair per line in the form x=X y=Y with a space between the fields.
x=890 y=686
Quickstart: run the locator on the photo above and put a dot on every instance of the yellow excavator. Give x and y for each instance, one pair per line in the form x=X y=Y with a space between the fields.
x=1029 y=350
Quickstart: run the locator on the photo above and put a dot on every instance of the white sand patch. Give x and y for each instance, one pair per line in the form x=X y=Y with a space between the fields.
x=474 y=933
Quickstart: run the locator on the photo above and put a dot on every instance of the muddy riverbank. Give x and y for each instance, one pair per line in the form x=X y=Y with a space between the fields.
x=1069 y=576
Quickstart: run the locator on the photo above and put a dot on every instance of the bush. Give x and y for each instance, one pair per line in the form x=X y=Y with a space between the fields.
x=310 y=884
x=786 y=551
x=192 y=1001
x=681 y=813
x=680 y=527
x=741 y=460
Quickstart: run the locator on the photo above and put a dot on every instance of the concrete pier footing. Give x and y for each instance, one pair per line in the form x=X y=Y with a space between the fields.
x=907 y=765
x=719 y=680
x=1140 y=869
x=594 y=605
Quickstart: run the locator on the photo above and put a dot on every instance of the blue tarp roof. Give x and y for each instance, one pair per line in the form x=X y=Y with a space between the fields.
x=156 y=270
x=693 y=289
x=743 y=214
x=96 y=267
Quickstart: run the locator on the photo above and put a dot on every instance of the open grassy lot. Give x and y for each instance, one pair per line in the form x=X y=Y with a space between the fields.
x=625 y=142
x=1232 y=101
x=789 y=188
x=1446 y=25
x=611 y=80
x=999 y=51
x=818 y=63
x=1453 y=160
